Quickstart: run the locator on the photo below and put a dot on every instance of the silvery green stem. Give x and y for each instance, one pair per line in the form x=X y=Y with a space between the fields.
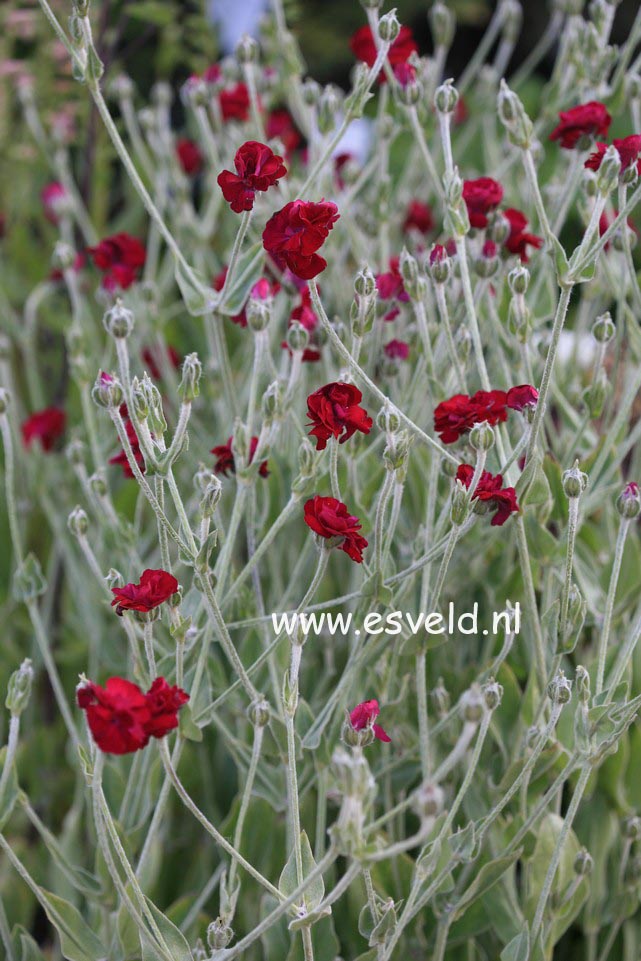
x=162 y=533
x=10 y=756
x=148 y=638
x=333 y=467
x=627 y=252
x=444 y=314
x=245 y=219
x=223 y=564
x=247 y=793
x=609 y=603
x=5 y=933
x=573 y=517
x=470 y=310
x=9 y=488
x=52 y=670
x=624 y=655
x=481 y=50
x=607 y=236
x=425 y=152
x=381 y=505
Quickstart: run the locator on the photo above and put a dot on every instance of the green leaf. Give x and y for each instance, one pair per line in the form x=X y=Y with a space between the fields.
x=197 y=296
x=24 y=947
x=486 y=878
x=248 y=271
x=77 y=940
x=10 y=790
x=519 y=947
x=288 y=881
x=188 y=729
x=174 y=939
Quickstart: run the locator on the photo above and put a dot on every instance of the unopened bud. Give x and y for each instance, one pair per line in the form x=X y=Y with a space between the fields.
x=389 y=27
x=440 y=267
x=460 y=505
x=582 y=684
x=560 y=689
x=272 y=402
x=297 y=337
x=219 y=934
x=78 y=522
x=499 y=229
x=574 y=481
x=98 y=484
x=211 y=496
x=19 y=688
x=629 y=501
x=473 y=704
x=482 y=437
x=609 y=170
x=388 y=419
x=107 y=391
x=189 y=387
x=329 y=104
x=365 y=284
x=247 y=49
x=632 y=827
x=118 y=320
x=603 y=329
x=519 y=280
x=63 y=256
x=442 y=24
x=259 y=712
x=441 y=697
x=596 y=395
x=583 y=863
x=306 y=458
x=513 y=117
x=446 y=97
x=428 y=801
x=493 y=693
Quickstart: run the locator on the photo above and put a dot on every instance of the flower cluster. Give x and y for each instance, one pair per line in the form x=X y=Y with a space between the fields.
x=154 y=588
x=490 y=493
x=120 y=258
x=335 y=411
x=257 y=168
x=331 y=520
x=456 y=416
x=294 y=234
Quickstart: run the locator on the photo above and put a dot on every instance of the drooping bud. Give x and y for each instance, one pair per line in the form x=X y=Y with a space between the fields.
x=629 y=501
x=78 y=522
x=219 y=934
x=189 y=387
x=118 y=321
x=19 y=688
x=259 y=712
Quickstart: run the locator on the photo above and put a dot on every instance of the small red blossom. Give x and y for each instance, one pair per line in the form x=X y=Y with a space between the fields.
x=154 y=588
x=234 y=103
x=334 y=411
x=363 y=717
x=481 y=197
x=587 y=120
x=405 y=74
x=213 y=73
x=53 y=197
x=164 y=701
x=304 y=312
x=190 y=156
x=628 y=149
x=438 y=254
x=311 y=355
x=363 y=47
x=518 y=238
x=522 y=396
x=397 y=350
x=340 y=160
x=152 y=357
x=490 y=490
x=45 y=426
x=225 y=458
x=120 y=258
x=257 y=168
x=456 y=416
x=279 y=125
x=294 y=234
x=390 y=286
x=419 y=217
x=330 y=518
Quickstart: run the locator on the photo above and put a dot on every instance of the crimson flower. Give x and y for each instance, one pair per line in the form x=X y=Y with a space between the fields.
x=438 y=254
x=363 y=716
x=190 y=156
x=294 y=234
x=490 y=490
x=628 y=149
x=304 y=312
x=340 y=161
x=397 y=350
x=330 y=518
x=418 y=217
x=152 y=357
x=587 y=120
x=225 y=458
x=456 y=416
x=120 y=258
x=234 y=103
x=122 y=718
x=257 y=168
x=155 y=588
x=334 y=411
x=120 y=459
x=405 y=74
x=279 y=125
x=45 y=426
x=164 y=701
x=53 y=196
x=363 y=47
x=311 y=355
x=518 y=238
x=522 y=396
x=481 y=196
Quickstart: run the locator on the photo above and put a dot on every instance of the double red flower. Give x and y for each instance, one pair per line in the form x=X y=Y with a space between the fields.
x=234 y=103
x=628 y=149
x=490 y=490
x=363 y=47
x=481 y=197
x=294 y=234
x=363 y=716
x=456 y=416
x=587 y=120
x=257 y=168
x=45 y=426
x=419 y=217
x=122 y=718
x=225 y=458
x=154 y=588
x=518 y=238
x=120 y=258
x=189 y=156
x=330 y=518
x=334 y=411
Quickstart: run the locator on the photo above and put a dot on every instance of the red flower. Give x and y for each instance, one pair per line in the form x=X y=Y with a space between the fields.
x=628 y=149
x=405 y=74
x=518 y=238
x=363 y=716
x=330 y=518
x=304 y=312
x=189 y=156
x=340 y=160
x=225 y=458
x=311 y=355
x=456 y=416
x=363 y=47
x=295 y=233
x=418 y=217
x=152 y=358
x=334 y=409
x=522 y=396
x=390 y=286
x=121 y=458
x=280 y=126
x=213 y=73
x=122 y=719
x=438 y=254
x=164 y=701
x=481 y=197
x=489 y=490
x=45 y=426
x=587 y=120
x=155 y=588
x=397 y=350
x=53 y=197
x=117 y=715
x=257 y=168
x=120 y=257
x=234 y=103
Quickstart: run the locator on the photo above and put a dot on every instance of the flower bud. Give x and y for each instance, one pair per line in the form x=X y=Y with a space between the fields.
x=365 y=284
x=482 y=437
x=441 y=697
x=460 y=505
x=329 y=104
x=603 y=329
x=583 y=863
x=409 y=272
x=582 y=684
x=388 y=419
x=189 y=387
x=389 y=27
x=629 y=501
x=306 y=459
x=118 y=320
x=493 y=693
x=513 y=116
x=259 y=713
x=439 y=264
x=597 y=393
x=272 y=402
x=608 y=173
x=211 y=496
x=19 y=688
x=472 y=704
x=219 y=934
x=63 y=255
x=518 y=280
x=107 y=391
x=574 y=481
x=498 y=229
x=297 y=337
x=29 y=581
x=75 y=452
x=442 y=24
x=488 y=263
x=560 y=689
x=98 y=484
x=246 y=49
x=632 y=827
x=446 y=97
x=78 y=522
x=428 y=801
